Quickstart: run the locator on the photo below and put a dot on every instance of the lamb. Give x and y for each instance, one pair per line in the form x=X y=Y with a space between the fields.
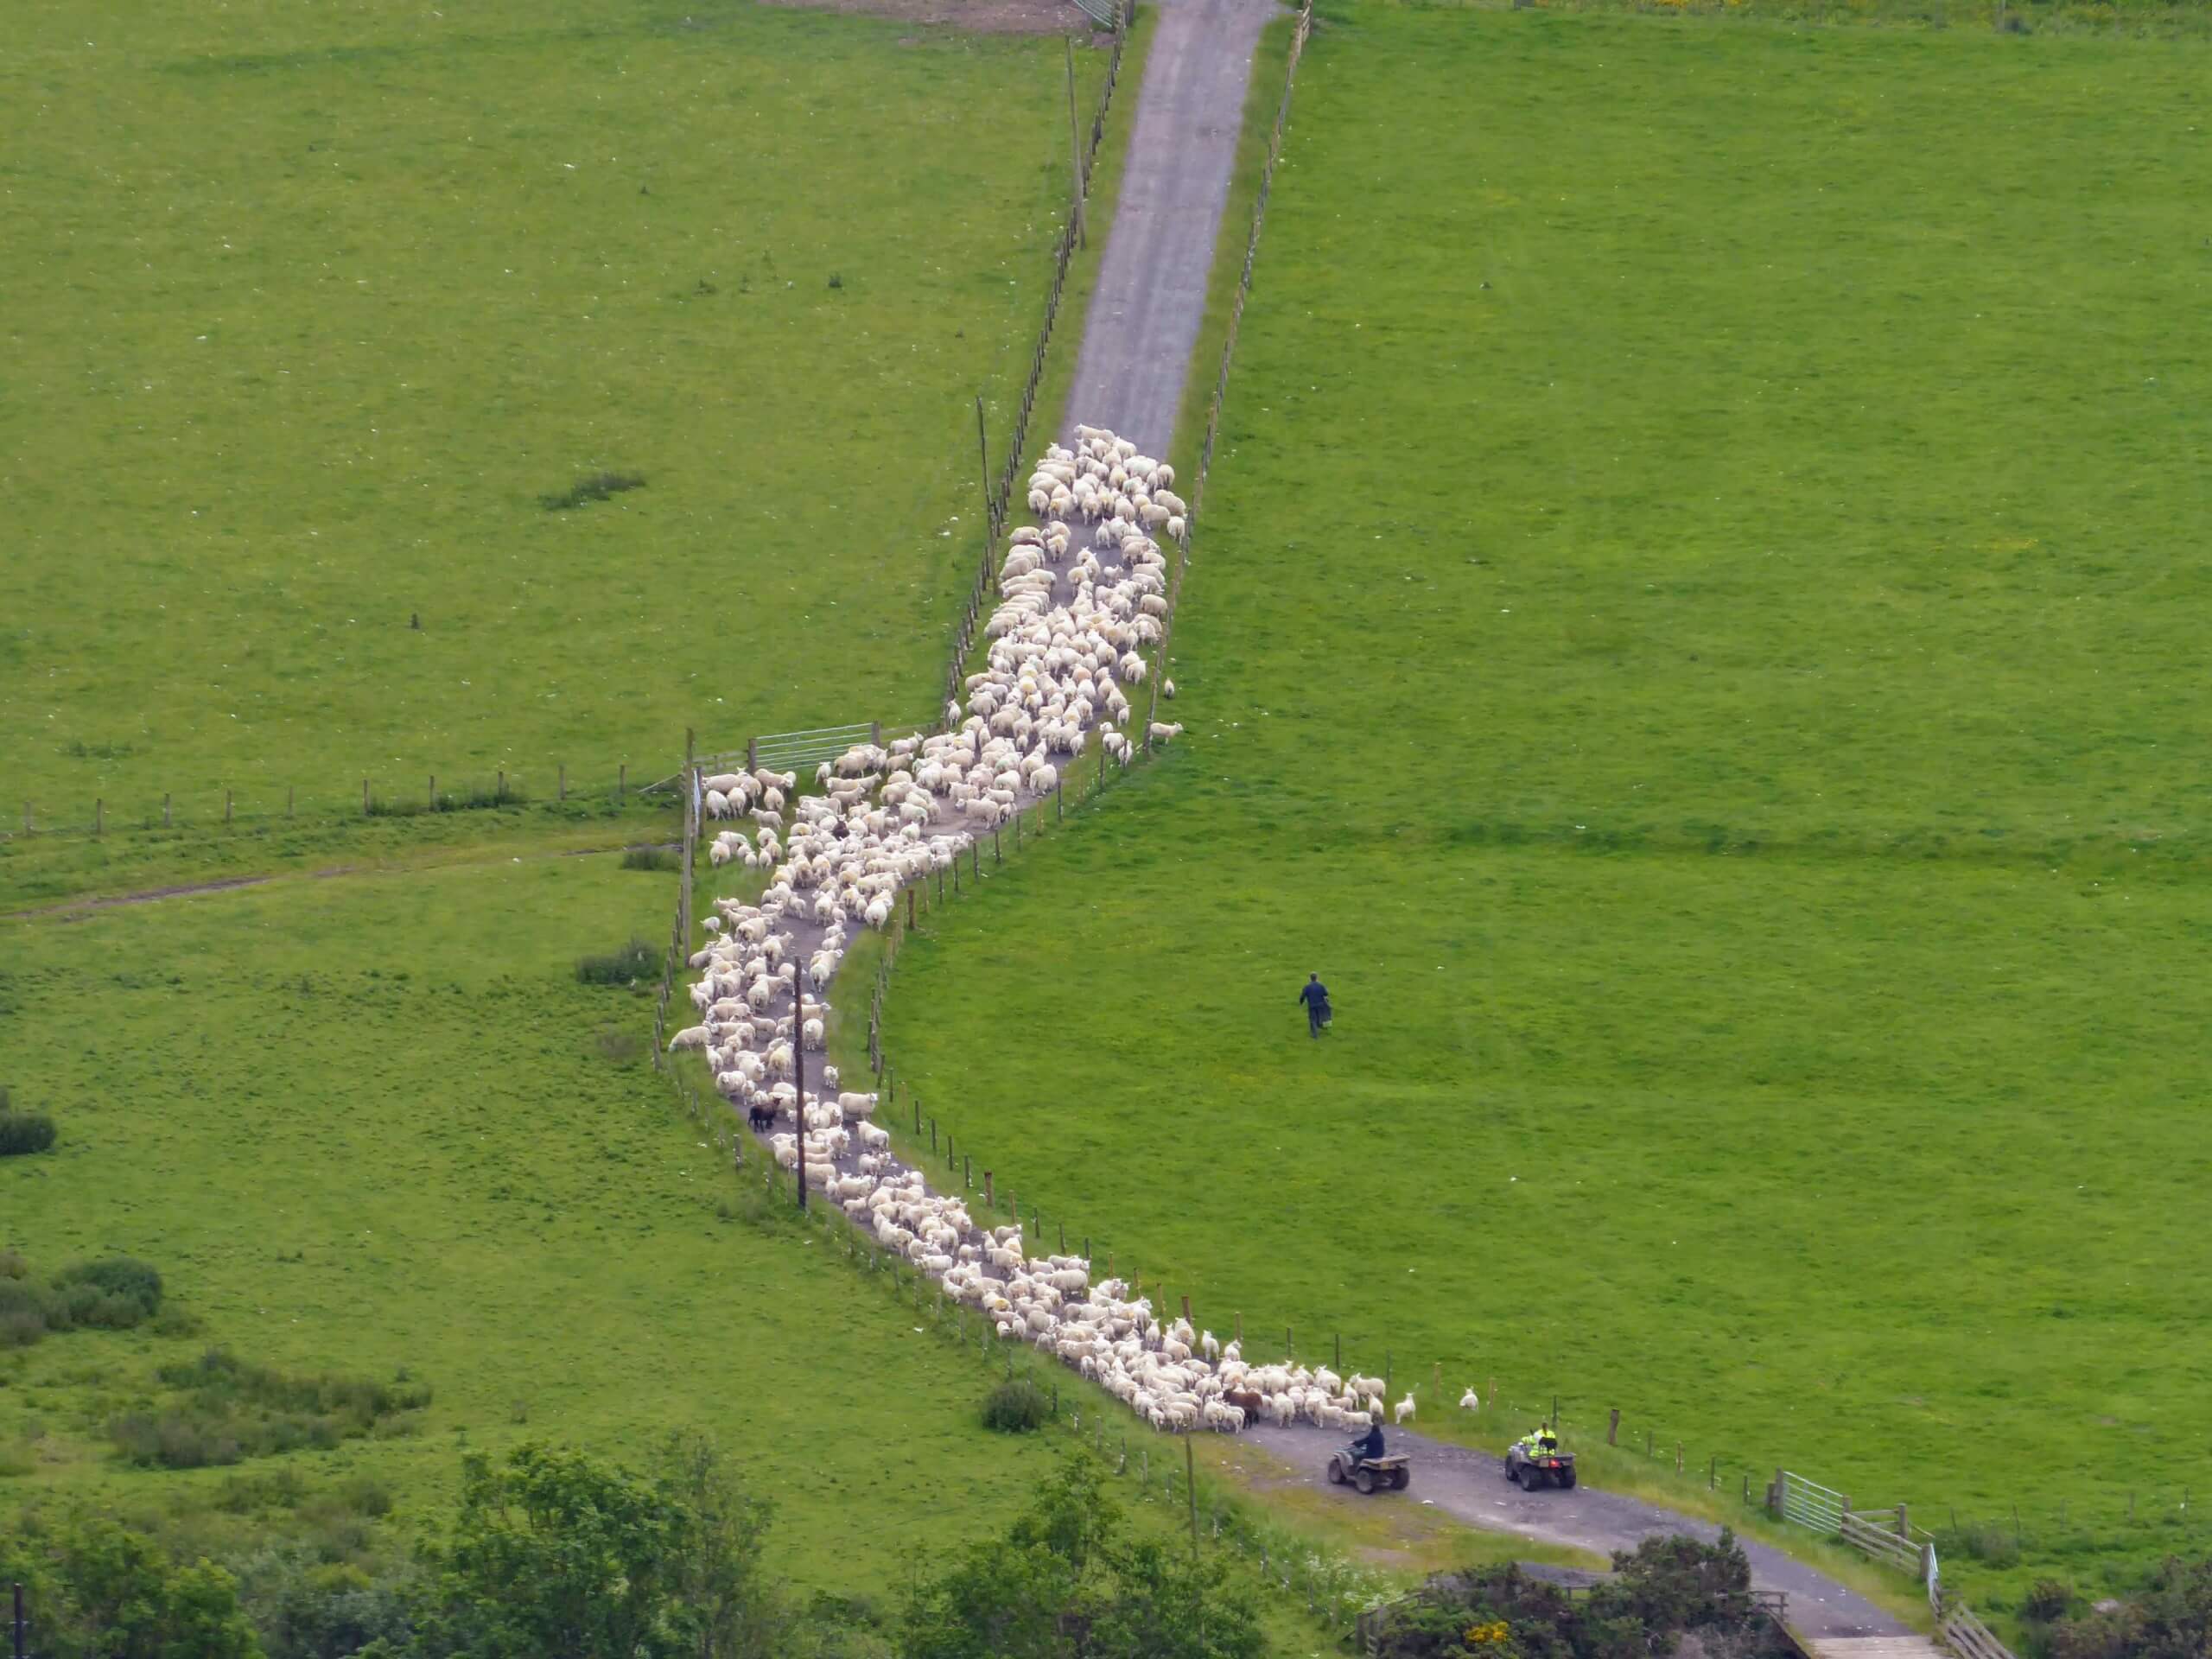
x=1469 y=1403
x=1403 y=1410
x=1161 y=733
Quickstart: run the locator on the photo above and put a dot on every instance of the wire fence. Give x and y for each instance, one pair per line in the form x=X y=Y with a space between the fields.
x=998 y=492
x=787 y=751
x=1301 y=31
x=601 y=783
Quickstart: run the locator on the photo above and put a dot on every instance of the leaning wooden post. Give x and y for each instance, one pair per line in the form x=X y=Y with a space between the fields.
x=1613 y=1428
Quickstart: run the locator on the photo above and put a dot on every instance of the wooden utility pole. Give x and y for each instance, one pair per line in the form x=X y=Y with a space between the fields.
x=798 y=1067
x=1191 y=1485
x=984 y=459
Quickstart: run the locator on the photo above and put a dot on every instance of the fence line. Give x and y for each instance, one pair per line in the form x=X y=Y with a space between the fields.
x=1299 y=33
x=1894 y=1541
x=434 y=793
x=998 y=494
x=782 y=751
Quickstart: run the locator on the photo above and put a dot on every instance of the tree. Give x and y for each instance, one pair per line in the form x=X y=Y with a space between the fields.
x=724 y=1600
x=100 y=1590
x=554 y=1556
x=1067 y=1583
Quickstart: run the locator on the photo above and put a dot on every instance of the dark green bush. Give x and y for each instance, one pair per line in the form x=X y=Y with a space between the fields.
x=24 y=1132
x=1994 y=1546
x=599 y=486
x=2047 y=1599
x=652 y=858
x=476 y=798
x=234 y=1410
x=123 y=1278
x=634 y=964
x=1016 y=1406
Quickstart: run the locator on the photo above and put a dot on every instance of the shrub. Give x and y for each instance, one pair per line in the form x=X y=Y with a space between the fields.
x=123 y=1278
x=475 y=798
x=234 y=1410
x=634 y=964
x=598 y=487
x=1017 y=1406
x=2047 y=1599
x=1979 y=1540
x=650 y=858
x=24 y=1132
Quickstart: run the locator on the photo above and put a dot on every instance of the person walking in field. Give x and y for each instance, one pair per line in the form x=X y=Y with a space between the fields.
x=1315 y=995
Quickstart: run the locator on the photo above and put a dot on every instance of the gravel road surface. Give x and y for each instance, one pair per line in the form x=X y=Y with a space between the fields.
x=1471 y=1486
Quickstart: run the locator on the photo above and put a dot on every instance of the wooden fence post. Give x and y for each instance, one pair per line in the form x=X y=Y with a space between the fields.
x=226 y=806
x=165 y=808
x=564 y=780
x=287 y=799
x=364 y=797
x=434 y=791
x=1613 y=1428
x=100 y=815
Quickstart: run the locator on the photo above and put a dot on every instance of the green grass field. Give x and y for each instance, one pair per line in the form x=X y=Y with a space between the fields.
x=1691 y=638
x=373 y=1123
x=280 y=395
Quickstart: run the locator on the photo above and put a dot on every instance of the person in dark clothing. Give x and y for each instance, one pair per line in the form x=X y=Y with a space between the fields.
x=1315 y=995
x=1370 y=1445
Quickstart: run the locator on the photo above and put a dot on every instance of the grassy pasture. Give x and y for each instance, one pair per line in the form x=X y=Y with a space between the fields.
x=275 y=393
x=376 y=1128
x=377 y=1123
x=1691 y=637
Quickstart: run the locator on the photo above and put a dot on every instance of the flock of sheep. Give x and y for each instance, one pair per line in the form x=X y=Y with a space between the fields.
x=1077 y=608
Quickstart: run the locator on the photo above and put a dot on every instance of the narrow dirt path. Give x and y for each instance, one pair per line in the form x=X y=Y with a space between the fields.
x=1471 y=1486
